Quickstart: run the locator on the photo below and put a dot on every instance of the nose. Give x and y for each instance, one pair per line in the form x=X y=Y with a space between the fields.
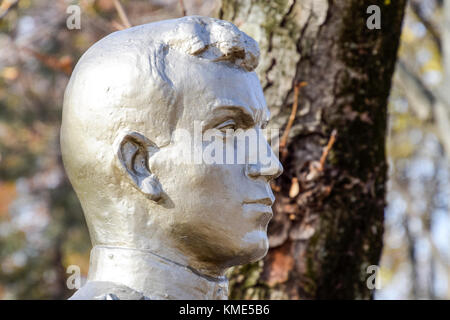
x=271 y=171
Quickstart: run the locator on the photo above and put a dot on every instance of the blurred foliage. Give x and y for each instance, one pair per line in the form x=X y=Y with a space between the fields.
x=416 y=255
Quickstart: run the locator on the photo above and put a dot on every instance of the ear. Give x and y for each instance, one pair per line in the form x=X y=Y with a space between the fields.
x=133 y=151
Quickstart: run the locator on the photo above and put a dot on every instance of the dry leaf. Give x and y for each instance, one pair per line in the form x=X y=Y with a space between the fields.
x=295 y=188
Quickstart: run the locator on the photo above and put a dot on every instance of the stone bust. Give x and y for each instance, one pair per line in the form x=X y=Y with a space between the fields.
x=161 y=227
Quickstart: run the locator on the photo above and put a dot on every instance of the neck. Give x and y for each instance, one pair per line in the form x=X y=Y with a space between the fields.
x=154 y=276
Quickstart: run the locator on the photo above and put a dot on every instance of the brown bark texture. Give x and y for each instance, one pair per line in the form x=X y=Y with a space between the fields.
x=328 y=217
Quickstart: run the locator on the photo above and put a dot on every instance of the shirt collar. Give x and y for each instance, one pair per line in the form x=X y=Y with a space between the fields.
x=156 y=277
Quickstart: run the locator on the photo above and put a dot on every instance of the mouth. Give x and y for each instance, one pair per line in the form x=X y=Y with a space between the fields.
x=260 y=209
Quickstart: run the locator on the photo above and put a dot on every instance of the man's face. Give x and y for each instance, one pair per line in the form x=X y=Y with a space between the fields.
x=220 y=211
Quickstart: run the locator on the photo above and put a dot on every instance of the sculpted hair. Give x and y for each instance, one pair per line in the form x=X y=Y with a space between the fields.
x=215 y=40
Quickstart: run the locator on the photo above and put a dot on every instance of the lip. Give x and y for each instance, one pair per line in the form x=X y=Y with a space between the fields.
x=260 y=209
x=263 y=201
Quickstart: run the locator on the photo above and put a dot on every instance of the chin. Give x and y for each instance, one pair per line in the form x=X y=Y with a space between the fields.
x=256 y=244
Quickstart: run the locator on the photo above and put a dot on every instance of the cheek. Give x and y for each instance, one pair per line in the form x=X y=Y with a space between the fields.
x=204 y=193
x=213 y=187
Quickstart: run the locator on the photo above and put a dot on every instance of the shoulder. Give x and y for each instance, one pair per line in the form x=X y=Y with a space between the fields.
x=103 y=290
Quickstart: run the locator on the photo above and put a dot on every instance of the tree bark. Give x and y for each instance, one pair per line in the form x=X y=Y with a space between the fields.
x=328 y=217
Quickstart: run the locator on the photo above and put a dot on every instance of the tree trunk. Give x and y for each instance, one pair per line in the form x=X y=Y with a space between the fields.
x=328 y=217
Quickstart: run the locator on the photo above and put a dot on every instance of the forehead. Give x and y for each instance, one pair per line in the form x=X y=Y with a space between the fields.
x=211 y=85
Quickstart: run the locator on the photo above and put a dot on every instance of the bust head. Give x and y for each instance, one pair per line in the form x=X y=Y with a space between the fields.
x=132 y=101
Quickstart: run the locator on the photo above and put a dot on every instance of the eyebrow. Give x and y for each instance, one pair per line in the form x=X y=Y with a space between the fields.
x=243 y=111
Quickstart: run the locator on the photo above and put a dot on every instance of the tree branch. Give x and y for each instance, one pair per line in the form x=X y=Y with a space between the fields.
x=426 y=102
x=6 y=6
x=122 y=15
x=431 y=27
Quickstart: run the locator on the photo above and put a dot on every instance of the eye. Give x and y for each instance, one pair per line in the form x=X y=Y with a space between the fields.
x=227 y=125
x=264 y=124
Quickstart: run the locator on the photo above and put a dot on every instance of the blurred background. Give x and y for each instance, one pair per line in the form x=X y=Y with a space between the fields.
x=42 y=229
